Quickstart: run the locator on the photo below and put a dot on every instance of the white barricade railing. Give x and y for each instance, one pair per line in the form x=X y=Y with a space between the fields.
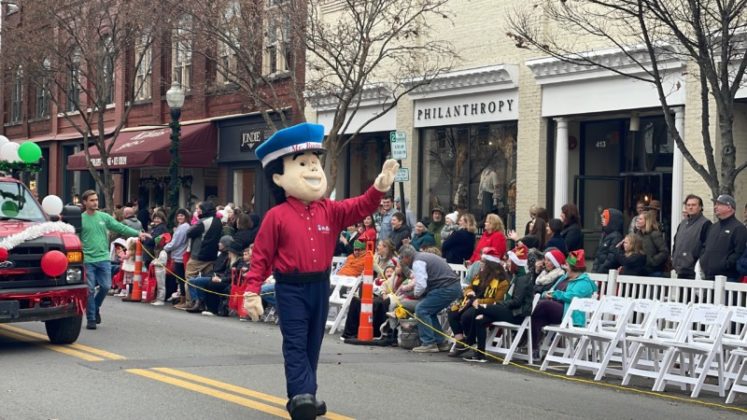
x=717 y=291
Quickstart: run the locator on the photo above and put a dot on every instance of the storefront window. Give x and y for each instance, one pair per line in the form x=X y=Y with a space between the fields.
x=243 y=187
x=470 y=168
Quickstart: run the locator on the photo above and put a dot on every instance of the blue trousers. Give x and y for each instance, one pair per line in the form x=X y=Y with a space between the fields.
x=302 y=309
x=97 y=274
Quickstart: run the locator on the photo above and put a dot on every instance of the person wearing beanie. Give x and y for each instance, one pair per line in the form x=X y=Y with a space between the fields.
x=437 y=224
x=725 y=242
x=450 y=226
x=553 y=267
x=197 y=294
x=206 y=295
x=487 y=287
x=551 y=309
x=353 y=265
x=513 y=308
x=422 y=238
x=612 y=228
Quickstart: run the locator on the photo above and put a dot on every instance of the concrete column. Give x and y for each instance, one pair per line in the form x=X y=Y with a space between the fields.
x=561 y=165
x=677 y=174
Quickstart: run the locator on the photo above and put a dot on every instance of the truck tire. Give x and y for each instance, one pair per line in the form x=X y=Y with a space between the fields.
x=64 y=330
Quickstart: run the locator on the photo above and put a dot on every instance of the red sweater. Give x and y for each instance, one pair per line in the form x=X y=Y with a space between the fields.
x=494 y=240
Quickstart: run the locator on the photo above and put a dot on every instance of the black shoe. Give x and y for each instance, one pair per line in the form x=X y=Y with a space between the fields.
x=91 y=325
x=475 y=358
x=321 y=408
x=457 y=350
x=98 y=317
x=302 y=407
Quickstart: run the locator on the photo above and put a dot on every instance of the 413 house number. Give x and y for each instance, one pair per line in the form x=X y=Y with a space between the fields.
x=601 y=144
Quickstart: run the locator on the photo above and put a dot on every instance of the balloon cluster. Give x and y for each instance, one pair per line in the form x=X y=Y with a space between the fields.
x=28 y=152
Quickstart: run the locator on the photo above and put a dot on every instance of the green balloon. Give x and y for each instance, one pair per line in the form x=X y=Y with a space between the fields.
x=9 y=209
x=29 y=152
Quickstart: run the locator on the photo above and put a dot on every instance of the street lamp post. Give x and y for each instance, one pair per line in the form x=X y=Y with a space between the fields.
x=175 y=99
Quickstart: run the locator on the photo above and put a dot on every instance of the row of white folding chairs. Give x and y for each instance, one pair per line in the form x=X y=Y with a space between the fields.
x=664 y=341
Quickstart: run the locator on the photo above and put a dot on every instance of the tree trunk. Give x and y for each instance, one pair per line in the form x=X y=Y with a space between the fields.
x=728 y=153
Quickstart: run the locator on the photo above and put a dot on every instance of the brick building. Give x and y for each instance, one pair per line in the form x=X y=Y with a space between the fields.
x=220 y=126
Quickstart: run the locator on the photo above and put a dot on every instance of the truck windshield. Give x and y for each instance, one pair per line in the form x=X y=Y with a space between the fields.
x=16 y=202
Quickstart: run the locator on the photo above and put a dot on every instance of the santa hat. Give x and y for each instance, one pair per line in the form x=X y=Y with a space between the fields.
x=453 y=217
x=577 y=259
x=491 y=254
x=556 y=257
x=519 y=255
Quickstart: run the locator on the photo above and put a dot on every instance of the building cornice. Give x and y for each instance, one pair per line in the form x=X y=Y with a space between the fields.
x=375 y=94
x=548 y=70
x=479 y=79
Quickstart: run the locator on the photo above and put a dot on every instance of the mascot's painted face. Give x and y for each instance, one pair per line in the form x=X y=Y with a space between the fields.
x=303 y=177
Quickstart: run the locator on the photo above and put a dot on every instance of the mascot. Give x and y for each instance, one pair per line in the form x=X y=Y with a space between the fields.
x=295 y=244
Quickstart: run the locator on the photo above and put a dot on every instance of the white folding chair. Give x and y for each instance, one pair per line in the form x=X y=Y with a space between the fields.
x=740 y=374
x=460 y=271
x=337 y=263
x=343 y=290
x=568 y=333
x=735 y=337
x=606 y=331
x=666 y=323
x=507 y=343
x=697 y=349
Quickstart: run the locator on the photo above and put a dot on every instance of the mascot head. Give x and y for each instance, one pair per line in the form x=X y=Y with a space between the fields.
x=290 y=159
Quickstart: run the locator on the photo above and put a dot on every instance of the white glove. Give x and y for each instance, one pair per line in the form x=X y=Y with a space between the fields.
x=385 y=179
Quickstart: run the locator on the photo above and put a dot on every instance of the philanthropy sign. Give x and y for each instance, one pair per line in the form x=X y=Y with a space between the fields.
x=467 y=109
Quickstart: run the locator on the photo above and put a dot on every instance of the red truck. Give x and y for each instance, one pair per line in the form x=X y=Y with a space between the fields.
x=27 y=292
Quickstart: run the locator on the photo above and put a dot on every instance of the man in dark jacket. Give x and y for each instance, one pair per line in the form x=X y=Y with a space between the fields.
x=204 y=237
x=690 y=238
x=725 y=242
x=437 y=223
x=612 y=227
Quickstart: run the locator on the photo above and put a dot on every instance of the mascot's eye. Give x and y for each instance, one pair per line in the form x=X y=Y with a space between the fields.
x=302 y=163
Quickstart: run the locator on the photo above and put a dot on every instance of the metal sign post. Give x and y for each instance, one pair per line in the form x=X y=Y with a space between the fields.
x=398 y=146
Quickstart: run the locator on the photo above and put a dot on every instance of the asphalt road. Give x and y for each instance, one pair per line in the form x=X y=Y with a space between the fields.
x=147 y=362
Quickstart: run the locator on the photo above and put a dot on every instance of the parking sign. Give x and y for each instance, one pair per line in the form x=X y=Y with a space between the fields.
x=398 y=142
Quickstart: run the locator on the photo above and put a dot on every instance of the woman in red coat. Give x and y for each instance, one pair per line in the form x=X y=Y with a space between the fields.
x=492 y=237
x=369 y=231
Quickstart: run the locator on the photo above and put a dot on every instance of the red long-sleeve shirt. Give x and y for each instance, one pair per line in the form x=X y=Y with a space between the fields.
x=296 y=238
x=493 y=239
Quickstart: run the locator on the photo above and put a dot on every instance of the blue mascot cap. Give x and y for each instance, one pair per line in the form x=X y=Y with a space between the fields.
x=296 y=139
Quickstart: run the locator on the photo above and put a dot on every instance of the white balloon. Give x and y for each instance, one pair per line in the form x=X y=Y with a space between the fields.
x=3 y=140
x=9 y=152
x=52 y=205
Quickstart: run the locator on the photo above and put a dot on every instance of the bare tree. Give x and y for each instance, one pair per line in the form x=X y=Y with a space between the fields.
x=312 y=49
x=73 y=49
x=710 y=35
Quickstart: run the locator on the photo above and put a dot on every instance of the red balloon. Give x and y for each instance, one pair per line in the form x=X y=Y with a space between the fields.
x=54 y=263
x=3 y=254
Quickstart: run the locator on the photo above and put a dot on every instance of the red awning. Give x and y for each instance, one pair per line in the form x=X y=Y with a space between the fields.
x=148 y=148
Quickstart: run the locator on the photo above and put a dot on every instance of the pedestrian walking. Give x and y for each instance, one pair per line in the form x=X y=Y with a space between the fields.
x=95 y=227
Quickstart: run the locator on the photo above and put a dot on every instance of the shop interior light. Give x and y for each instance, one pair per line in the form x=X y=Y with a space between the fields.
x=635 y=121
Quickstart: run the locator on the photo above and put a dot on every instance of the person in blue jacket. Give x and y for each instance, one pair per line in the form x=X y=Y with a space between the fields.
x=552 y=308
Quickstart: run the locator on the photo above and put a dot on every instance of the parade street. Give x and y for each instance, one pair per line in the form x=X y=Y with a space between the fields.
x=147 y=362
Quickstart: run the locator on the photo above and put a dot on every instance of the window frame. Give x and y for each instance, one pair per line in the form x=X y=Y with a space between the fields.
x=144 y=72
x=181 y=54
x=16 y=97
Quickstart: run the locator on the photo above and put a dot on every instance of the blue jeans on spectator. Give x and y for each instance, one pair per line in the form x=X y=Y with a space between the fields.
x=97 y=274
x=267 y=293
x=428 y=309
x=196 y=293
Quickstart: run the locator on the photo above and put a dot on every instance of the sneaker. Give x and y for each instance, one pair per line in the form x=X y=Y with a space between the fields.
x=98 y=317
x=157 y=303
x=457 y=350
x=122 y=293
x=426 y=348
x=207 y=313
x=244 y=318
x=475 y=358
x=91 y=325
x=444 y=345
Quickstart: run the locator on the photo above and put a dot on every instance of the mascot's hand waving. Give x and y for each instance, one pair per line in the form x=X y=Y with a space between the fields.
x=386 y=178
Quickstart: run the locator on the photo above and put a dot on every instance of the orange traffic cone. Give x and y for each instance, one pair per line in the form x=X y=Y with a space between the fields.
x=365 y=326
x=136 y=293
